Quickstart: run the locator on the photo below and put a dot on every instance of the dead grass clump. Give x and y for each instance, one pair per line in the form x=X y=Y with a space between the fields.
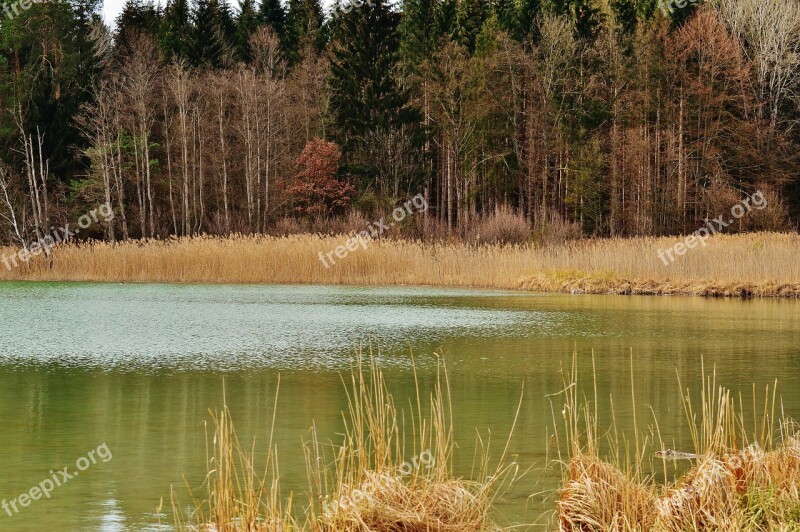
x=387 y=503
x=742 y=479
x=503 y=227
x=379 y=478
x=704 y=499
x=375 y=480
x=598 y=496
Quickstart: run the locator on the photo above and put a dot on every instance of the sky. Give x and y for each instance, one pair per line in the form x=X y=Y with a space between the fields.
x=112 y=8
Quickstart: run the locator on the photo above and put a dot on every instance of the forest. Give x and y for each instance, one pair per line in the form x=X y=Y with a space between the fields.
x=613 y=118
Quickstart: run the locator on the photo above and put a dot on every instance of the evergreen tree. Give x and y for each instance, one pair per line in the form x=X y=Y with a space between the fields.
x=176 y=31
x=470 y=18
x=272 y=13
x=246 y=23
x=624 y=12
x=587 y=18
x=419 y=31
x=137 y=17
x=446 y=21
x=304 y=27
x=366 y=97
x=528 y=19
x=213 y=33
x=508 y=16
x=53 y=71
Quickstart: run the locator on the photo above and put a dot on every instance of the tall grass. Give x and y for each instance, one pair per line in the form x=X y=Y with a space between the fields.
x=759 y=264
x=235 y=495
x=374 y=479
x=745 y=473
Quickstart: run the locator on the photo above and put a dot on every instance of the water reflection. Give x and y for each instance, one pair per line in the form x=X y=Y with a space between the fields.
x=138 y=366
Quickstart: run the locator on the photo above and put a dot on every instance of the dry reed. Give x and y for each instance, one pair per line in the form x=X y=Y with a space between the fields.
x=756 y=264
x=235 y=497
x=373 y=481
x=746 y=477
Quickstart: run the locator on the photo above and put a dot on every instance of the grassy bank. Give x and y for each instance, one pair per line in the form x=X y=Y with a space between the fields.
x=756 y=264
x=743 y=472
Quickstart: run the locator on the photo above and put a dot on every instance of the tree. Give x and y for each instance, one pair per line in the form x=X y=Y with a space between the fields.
x=213 y=32
x=246 y=23
x=137 y=17
x=367 y=99
x=176 y=31
x=316 y=191
x=272 y=13
x=304 y=27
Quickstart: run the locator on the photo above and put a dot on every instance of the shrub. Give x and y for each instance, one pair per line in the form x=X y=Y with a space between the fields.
x=316 y=191
x=504 y=227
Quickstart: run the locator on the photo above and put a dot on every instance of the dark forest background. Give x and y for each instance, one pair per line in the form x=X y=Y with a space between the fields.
x=615 y=118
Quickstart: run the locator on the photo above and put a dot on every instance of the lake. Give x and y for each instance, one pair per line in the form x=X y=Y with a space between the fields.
x=136 y=368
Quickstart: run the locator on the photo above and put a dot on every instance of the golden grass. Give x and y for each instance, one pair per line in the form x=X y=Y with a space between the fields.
x=756 y=264
x=745 y=477
x=371 y=481
x=235 y=496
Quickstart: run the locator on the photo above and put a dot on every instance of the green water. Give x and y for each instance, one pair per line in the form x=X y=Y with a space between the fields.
x=136 y=367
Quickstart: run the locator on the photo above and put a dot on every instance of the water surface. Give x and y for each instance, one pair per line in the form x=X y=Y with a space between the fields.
x=138 y=366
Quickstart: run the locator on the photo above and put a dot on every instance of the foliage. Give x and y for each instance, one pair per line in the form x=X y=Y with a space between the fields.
x=316 y=191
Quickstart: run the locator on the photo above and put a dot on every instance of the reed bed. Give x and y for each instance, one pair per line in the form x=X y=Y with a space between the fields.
x=755 y=264
x=745 y=474
x=379 y=478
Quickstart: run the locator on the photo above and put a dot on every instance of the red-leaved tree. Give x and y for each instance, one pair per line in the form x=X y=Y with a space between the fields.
x=316 y=191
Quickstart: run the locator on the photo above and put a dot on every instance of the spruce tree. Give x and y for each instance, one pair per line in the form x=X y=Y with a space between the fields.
x=624 y=12
x=366 y=96
x=176 y=31
x=508 y=16
x=470 y=18
x=213 y=31
x=246 y=23
x=304 y=27
x=528 y=19
x=137 y=17
x=272 y=13
x=419 y=31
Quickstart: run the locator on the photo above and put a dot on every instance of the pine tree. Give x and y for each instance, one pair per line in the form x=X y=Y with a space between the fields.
x=176 y=31
x=508 y=16
x=246 y=23
x=446 y=21
x=470 y=18
x=419 y=31
x=528 y=19
x=588 y=18
x=304 y=27
x=272 y=13
x=368 y=102
x=137 y=17
x=213 y=32
x=585 y=16
x=624 y=12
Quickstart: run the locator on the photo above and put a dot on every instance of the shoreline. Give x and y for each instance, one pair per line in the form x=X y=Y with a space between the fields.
x=763 y=265
x=587 y=286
